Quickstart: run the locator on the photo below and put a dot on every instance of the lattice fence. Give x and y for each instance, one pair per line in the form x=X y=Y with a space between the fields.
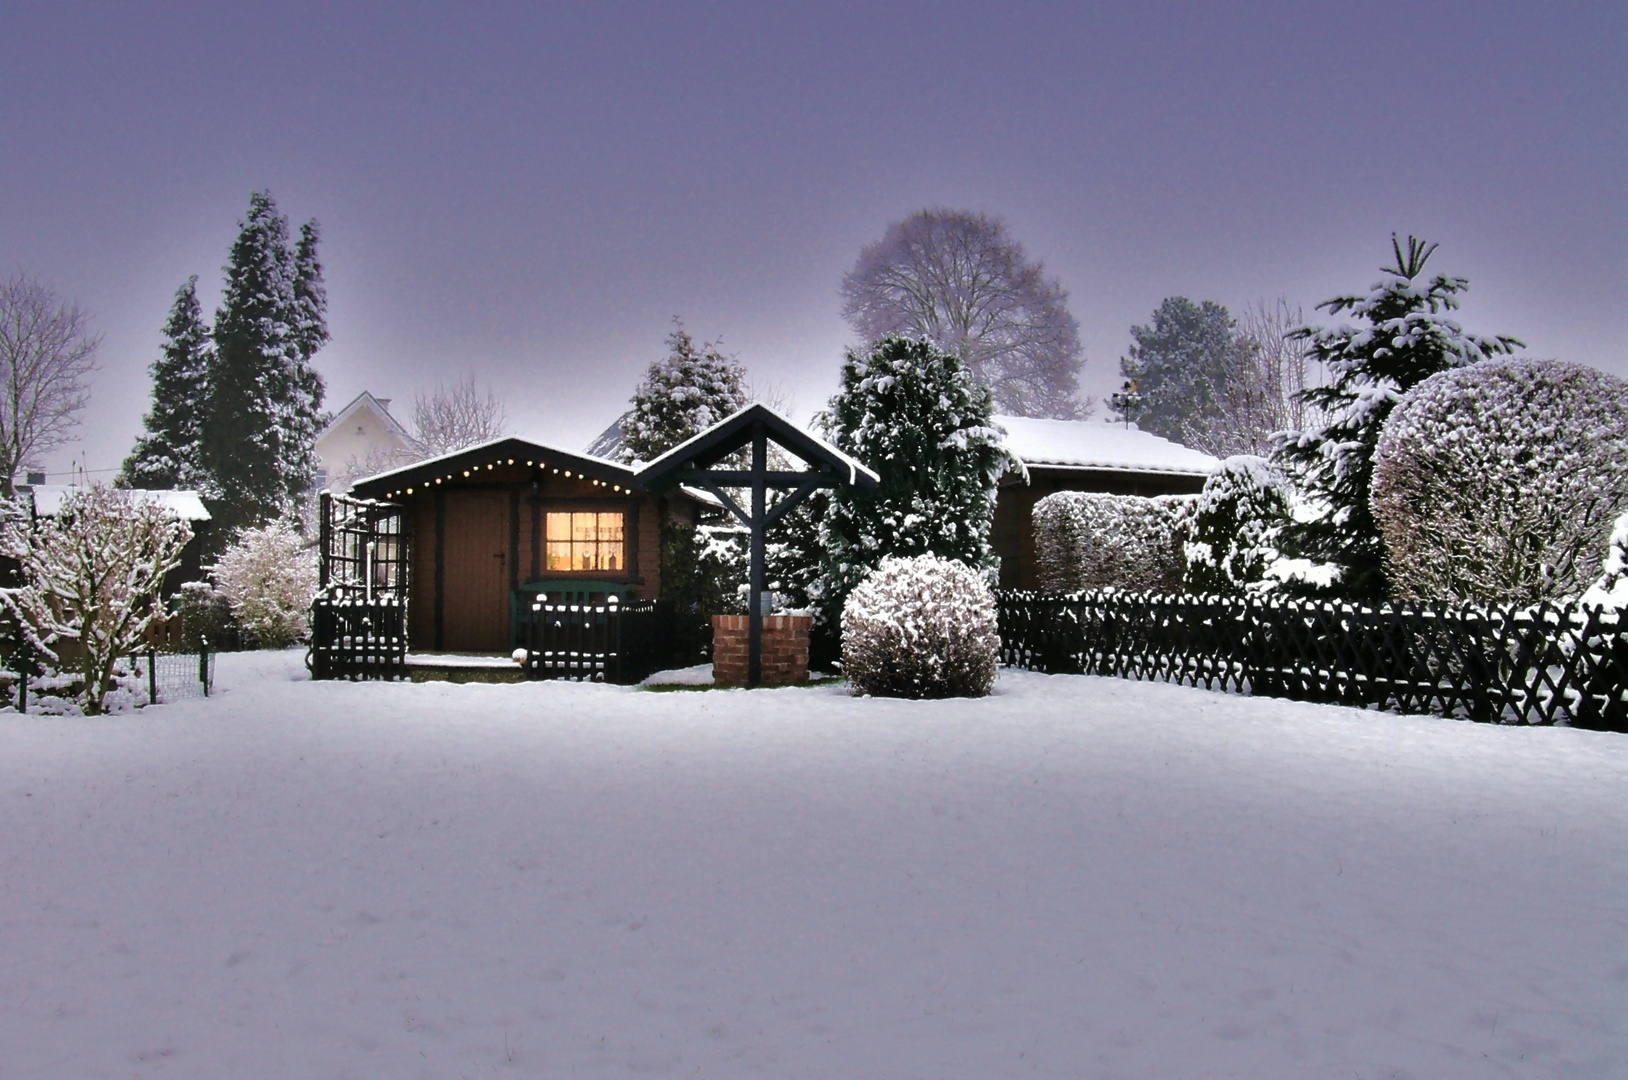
x=615 y=643
x=1555 y=663
x=355 y=639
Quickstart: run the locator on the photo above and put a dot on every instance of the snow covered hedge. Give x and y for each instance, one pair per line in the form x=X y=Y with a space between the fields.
x=1085 y=540
x=269 y=577
x=1236 y=522
x=1498 y=482
x=921 y=627
x=1611 y=590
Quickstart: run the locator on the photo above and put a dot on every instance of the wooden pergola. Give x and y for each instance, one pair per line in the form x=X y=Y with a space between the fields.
x=694 y=464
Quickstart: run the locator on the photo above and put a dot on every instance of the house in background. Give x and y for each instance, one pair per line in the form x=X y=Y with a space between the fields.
x=362 y=438
x=1081 y=455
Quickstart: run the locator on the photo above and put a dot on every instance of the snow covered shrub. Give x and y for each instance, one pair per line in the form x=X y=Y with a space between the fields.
x=206 y=616
x=1086 y=540
x=90 y=582
x=1235 y=525
x=1611 y=590
x=1498 y=482
x=269 y=577
x=921 y=627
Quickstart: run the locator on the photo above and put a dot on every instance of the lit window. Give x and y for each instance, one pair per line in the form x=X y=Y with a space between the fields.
x=585 y=540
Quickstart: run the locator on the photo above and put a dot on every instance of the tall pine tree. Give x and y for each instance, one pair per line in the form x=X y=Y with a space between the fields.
x=683 y=394
x=913 y=413
x=264 y=398
x=1405 y=337
x=168 y=453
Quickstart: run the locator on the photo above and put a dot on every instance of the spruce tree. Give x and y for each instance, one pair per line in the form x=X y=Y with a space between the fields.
x=1403 y=338
x=913 y=413
x=682 y=395
x=1179 y=364
x=168 y=453
x=264 y=398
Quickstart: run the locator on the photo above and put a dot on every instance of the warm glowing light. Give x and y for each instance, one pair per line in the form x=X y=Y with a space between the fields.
x=466 y=472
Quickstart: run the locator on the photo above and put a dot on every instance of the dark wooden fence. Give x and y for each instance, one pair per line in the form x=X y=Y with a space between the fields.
x=1555 y=663
x=614 y=643
x=357 y=639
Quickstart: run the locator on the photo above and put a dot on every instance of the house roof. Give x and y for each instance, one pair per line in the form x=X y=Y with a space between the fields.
x=1100 y=446
x=731 y=433
x=608 y=441
x=507 y=450
x=365 y=400
x=183 y=505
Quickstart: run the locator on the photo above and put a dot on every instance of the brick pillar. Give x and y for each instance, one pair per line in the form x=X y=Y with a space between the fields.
x=785 y=649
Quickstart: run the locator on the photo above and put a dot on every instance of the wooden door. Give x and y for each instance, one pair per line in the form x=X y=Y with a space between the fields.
x=476 y=604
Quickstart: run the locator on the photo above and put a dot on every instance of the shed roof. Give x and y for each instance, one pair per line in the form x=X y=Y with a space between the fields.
x=732 y=432
x=509 y=449
x=184 y=505
x=1101 y=446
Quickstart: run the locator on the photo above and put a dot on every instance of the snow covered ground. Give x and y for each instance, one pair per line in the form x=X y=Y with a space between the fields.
x=1075 y=877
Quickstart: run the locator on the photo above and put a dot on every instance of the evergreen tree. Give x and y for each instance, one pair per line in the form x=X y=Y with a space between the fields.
x=1179 y=364
x=168 y=454
x=1404 y=338
x=264 y=399
x=913 y=413
x=681 y=396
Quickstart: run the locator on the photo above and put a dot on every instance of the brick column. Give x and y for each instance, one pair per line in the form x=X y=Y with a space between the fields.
x=785 y=649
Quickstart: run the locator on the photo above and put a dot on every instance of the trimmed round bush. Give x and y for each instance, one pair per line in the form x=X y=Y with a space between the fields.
x=1499 y=482
x=921 y=627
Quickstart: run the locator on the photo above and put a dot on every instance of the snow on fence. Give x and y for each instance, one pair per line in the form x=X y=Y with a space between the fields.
x=1553 y=663
x=614 y=643
x=155 y=677
x=358 y=639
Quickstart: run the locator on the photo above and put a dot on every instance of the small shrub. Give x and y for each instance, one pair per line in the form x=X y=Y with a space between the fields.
x=1235 y=524
x=921 y=627
x=269 y=578
x=1086 y=540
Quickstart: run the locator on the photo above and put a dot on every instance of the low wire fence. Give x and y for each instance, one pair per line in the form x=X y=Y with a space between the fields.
x=155 y=677
x=358 y=639
x=615 y=643
x=1553 y=663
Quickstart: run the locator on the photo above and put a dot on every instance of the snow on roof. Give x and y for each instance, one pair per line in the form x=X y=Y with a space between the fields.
x=185 y=505
x=381 y=406
x=1098 y=444
x=682 y=450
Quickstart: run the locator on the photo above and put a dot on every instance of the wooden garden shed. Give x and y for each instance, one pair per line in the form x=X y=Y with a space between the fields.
x=488 y=528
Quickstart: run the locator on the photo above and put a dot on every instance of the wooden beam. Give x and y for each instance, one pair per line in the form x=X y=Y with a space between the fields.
x=440 y=564
x=760 y=468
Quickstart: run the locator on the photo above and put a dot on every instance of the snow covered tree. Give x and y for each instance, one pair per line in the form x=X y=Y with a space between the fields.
x=269 y=577
x=1179 y=363
x=264 y=399
x=1405 y=337
x=1091 y=540
x=91 y=580
x=921 y=627
x=47 y=354
x=1233 y=539
x=683 y=394
x=959 y=280
x=168 y=453
x=1499 y=482
x=914 y=414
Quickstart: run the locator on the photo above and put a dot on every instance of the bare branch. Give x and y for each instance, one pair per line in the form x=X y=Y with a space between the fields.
x=47 y=353
x=452 y=419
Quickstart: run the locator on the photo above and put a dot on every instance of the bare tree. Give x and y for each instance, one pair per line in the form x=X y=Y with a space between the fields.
x=956 y=278
x=47 y=353
x=1260 y=384
x=452 y=419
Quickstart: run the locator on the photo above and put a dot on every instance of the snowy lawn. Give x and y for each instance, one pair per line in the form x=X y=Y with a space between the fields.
x=1074 y=878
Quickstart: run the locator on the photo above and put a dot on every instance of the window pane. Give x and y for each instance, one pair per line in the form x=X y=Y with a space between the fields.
x=559 y=554
x=559 y=527
x=610 y=527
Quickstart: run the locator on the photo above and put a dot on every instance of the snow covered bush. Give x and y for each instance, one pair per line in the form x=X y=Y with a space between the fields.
x=90 y=581
x=921 y=627
x=912 y=413
x=1611 y=590
x=1087 y=540
x=1403 y=338
x=1499 y=482
x=269 y=577
x=1236 y=520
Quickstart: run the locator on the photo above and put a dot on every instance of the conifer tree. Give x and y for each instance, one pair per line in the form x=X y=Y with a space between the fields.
x=913 y=413
x=264 y=398
x=168 y=453
x=682 y=395
x=1405 y=337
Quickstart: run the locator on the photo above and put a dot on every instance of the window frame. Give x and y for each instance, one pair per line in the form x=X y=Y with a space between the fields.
x=628 y=508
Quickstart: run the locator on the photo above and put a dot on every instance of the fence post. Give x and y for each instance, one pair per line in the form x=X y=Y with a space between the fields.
x=203 y=664
x=152 y=674
x=26 y=651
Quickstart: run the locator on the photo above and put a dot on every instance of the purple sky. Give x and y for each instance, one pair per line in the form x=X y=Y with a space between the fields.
x=532 y=193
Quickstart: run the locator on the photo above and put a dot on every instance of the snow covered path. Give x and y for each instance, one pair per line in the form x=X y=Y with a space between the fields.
x=1075 y=877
